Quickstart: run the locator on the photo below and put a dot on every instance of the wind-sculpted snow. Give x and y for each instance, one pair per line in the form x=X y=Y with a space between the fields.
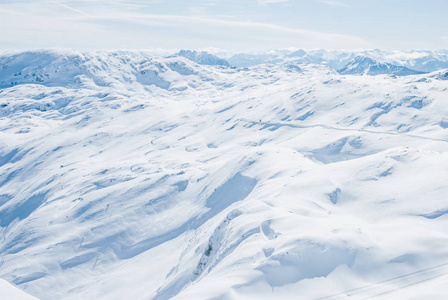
x=126 y=177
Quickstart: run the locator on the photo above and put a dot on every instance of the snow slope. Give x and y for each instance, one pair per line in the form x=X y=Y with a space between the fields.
x=125 y=177
x=8 y=291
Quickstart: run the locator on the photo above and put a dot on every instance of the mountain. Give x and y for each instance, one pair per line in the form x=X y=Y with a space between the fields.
x=367 y=66
x=71 y=69
x=203 y=58
x=252 y=59
x=442 y=75
x=298 y=53
x=132 y=177
x=418 y=60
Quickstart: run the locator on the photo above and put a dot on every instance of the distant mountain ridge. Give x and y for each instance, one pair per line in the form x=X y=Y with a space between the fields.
x=203 y=58
x=367 y=66
x=418 y=60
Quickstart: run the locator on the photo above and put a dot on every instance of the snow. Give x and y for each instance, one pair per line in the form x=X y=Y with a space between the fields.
x=9 y=292
x=368 y=66
x=415 y=60
x=131 y=177
x=203 y=58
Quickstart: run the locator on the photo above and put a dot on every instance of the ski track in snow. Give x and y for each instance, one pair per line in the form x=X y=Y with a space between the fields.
x=127 y=177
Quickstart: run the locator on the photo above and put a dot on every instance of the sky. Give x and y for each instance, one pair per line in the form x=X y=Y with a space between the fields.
x=233 y=25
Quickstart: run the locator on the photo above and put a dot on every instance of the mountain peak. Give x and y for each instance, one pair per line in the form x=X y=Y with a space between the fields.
x=365 y=60
x=203 y=58
x=298 y=53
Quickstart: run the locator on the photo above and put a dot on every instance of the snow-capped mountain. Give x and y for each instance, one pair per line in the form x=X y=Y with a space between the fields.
x=418 y=60
x=203 y=58
x=247 y=59
x=128 y=177
x=367 y=66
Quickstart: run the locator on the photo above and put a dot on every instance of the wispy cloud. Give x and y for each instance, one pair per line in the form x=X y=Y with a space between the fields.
x=81 y=27
x=334 y=3
x=70 y=8
x=204 y=32
x=198 y=11
x=264 y=2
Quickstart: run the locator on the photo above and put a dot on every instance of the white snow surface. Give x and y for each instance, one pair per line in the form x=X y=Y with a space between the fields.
x=8 y=291
x=125 y=177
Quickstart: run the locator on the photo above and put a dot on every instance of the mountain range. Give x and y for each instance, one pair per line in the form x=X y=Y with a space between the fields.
x=367 y=62
x=367 y=66
x=418 y=60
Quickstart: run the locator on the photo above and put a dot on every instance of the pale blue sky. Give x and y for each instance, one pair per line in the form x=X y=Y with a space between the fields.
x=236 y=25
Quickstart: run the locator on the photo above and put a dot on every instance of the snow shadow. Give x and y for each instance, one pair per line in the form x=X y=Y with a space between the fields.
x=334 y=152
x=235 y=189
x=436 y=214
x=7 y=157
x=307 y=259
x=21 y=211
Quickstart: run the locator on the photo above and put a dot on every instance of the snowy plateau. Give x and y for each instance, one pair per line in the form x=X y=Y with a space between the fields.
x=130 y=176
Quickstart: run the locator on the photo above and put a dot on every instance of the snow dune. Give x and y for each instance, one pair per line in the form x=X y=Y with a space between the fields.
x=126 y=177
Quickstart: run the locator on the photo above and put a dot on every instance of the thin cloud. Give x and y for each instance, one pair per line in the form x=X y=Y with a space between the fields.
x=334 y=3
x=70 y=8
x=243 y=32
x=52 y=26
x=264 y=2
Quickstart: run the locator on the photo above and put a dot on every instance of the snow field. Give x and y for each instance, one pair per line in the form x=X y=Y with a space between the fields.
x=128 y=177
